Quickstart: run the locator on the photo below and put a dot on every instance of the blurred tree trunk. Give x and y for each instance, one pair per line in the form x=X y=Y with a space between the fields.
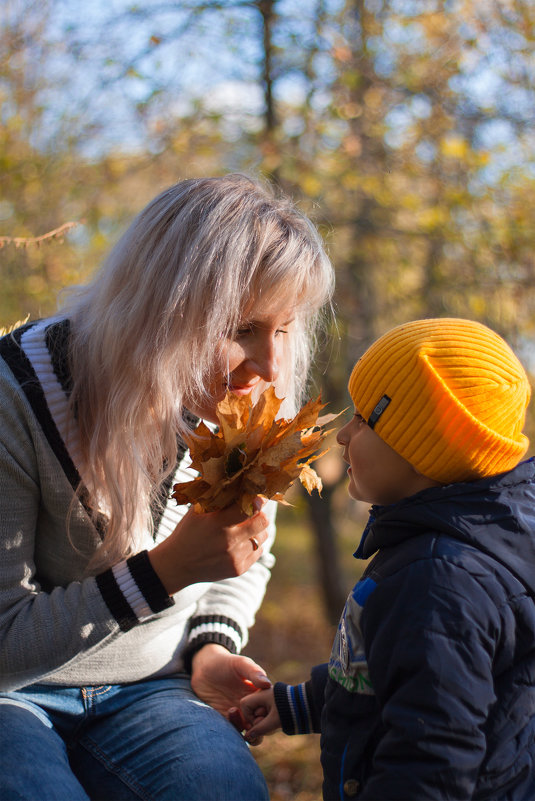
x=322 y=522
x=267 y=10
x=268 y=136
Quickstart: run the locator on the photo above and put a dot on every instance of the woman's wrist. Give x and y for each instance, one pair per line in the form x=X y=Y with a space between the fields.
x=213 y=635
x=207 y=650
x=163 y=564
x=132 y=590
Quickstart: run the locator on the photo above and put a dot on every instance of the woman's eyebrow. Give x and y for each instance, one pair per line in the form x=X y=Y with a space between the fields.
x=263 y=324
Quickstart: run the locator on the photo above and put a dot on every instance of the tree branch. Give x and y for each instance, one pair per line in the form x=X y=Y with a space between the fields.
x=27 y=241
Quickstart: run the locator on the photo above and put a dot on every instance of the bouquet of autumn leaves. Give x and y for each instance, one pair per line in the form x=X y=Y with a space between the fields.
x=253 y=453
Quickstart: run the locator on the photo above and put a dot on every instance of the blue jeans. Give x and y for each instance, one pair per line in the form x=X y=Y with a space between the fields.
x=153 y=740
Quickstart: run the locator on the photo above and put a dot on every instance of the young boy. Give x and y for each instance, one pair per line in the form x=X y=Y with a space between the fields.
x=430 y=689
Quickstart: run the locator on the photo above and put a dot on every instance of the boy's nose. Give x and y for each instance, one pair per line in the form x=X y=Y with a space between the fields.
x=341 y=436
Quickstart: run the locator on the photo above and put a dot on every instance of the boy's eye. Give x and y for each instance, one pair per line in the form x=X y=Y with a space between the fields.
x=359 y=418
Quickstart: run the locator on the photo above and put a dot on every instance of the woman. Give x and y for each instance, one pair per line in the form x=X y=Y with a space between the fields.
x=122 y=617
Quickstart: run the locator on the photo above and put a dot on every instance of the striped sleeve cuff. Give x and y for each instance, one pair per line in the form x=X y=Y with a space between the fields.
x=294 y=708
x=217 y=629
x=133 y=591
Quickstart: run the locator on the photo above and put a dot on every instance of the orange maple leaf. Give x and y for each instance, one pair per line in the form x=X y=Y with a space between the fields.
x=253 y=453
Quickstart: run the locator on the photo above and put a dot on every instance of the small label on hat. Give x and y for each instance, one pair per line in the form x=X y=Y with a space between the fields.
x=379 y=409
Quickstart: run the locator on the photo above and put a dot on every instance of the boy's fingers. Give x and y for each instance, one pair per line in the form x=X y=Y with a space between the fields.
x=236 y=718
x=253 y=736
x=247 y=713
x=254 y=741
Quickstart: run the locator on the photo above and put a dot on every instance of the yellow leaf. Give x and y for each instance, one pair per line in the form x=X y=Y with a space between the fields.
x=454 y=146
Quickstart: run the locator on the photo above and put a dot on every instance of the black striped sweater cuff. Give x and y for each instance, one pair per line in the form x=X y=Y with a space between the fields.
x=218 y=629
x=148 y=583
x=294 y=708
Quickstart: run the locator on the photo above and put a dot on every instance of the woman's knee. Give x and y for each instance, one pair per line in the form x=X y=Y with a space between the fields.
x=223 y=772
x=33 y=757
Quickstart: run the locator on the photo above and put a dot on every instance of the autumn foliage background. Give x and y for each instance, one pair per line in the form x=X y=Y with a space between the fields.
x=403 y=127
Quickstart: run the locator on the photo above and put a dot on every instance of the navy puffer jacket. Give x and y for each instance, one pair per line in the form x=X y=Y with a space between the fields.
x=430 y=690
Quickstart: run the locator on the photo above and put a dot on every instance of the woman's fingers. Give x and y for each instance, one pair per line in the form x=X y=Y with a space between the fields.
x=209 y=547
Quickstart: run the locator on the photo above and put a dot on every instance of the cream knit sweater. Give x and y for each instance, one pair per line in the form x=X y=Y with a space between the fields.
x=59 y=625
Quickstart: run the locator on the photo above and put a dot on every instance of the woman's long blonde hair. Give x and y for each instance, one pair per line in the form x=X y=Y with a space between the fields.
x=146 y=330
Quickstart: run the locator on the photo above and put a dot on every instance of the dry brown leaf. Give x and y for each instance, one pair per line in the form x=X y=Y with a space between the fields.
x=310 y=479
x=253 y=453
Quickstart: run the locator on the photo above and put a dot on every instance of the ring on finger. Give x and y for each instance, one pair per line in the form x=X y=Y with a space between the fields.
x=254 y=542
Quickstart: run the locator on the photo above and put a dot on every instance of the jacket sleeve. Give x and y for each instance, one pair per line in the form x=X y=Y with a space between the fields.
x=300 y=706
x=226 y=612
x=430 y=634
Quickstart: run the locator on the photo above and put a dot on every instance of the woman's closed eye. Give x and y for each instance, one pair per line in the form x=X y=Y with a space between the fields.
x=251 y=328
x=243 y=331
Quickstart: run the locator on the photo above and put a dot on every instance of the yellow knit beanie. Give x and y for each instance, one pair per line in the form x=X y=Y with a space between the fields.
x=448 y=395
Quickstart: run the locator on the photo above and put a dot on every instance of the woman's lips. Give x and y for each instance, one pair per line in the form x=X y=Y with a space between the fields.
x=241 y=389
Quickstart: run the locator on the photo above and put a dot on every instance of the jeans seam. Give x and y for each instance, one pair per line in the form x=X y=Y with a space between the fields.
x=104 y=688
x=90 y=693
x=118 y=771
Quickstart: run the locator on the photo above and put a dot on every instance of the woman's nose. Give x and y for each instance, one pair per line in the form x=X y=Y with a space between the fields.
x=264 y=360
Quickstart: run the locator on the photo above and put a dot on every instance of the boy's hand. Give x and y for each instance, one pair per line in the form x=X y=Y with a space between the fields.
x=260 y=715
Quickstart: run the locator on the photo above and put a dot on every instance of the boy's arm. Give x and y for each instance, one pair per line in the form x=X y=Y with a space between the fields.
x=297 y=709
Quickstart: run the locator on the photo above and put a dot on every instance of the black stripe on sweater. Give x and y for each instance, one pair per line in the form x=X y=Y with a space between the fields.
x=13 y=354
x=115 y=600
x=161 y=497
x=210 y=636
x=149 y=582
x=57 y=341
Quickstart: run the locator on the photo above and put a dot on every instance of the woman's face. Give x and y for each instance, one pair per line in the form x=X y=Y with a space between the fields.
x=253 y=359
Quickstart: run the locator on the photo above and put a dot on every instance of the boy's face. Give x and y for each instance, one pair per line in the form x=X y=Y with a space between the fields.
x=377 y=474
